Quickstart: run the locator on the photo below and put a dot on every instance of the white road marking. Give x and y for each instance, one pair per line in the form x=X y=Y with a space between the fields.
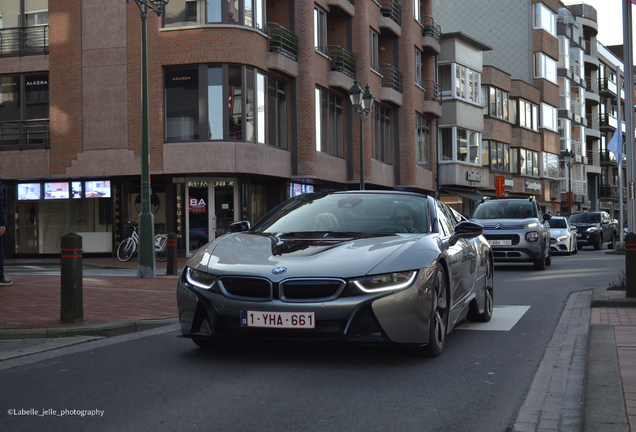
x=504 y=318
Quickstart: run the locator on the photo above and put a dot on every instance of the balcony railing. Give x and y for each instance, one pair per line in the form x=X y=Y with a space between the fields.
x=590 y=49
x=593 y=158
x=607 y=120
x=391 y=77
x=591 y=85
x=430 y=28
x=282 y=41
x=607 y=86
x=432 y=90
x=342 y=60
x=24 y=41
x=575 y=68
x=592 y=121
x=609 y=191
x=607 y=156
x=24 y=135
x=575 y=107
x=392 y=9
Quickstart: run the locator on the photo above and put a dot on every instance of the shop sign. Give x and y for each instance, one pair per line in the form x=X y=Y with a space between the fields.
x=179 y=216
x=197 y=184
x=533 y=186
x=473 y=176
x=509 y=182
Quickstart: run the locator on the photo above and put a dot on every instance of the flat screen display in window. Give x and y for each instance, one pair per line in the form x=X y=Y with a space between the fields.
x=56 y=190
x=97 y=189
x=29 y=191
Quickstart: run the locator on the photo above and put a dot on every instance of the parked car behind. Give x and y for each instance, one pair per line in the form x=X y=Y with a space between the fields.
x=562 y=236
x=370 y=267
x=516 y=229
x=594 y=229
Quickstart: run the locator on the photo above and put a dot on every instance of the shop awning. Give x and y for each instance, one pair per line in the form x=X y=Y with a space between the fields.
x=471 y=195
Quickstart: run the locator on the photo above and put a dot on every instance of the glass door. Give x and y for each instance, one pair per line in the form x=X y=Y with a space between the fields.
x=211 y=204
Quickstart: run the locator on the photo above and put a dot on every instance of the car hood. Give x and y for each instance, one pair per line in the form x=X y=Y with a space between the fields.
x=492 y=224
x=584 y=225
x=252 y=254
x=558 y=232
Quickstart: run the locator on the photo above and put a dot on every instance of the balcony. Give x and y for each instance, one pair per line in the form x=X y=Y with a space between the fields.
x=343 y=67
x=24 y=135
x=346 y=7
x=607 y=123
x=609 y=191
x=431 y=35
x=575 y=69
x=432 y=98
x=391 y=17
x=607 y=157
x=24 y=41
x=283 y=50
x=391 y=90
x=607 y=87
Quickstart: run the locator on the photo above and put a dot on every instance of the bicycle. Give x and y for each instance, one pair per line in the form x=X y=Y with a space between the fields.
x=128 y=247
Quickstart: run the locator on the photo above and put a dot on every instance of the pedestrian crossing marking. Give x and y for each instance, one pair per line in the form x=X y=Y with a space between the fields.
x=504 y=318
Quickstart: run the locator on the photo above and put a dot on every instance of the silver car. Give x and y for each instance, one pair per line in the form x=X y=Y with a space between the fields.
x=562 y=236
x=516 y=229
x=371 y=267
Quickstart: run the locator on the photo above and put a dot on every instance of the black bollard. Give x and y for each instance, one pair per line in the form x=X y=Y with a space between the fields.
x=171 y=251
x=630 y=265
x=72 y=309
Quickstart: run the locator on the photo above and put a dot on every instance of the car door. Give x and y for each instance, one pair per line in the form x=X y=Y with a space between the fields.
x=461 y=258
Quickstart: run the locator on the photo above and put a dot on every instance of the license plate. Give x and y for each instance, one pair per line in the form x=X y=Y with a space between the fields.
x=500 y=242
x=291 y=320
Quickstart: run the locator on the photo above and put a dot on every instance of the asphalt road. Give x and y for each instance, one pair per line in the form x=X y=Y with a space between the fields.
x=156 y=381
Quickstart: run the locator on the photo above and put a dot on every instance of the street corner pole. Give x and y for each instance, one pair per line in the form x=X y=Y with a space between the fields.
x=146 y=265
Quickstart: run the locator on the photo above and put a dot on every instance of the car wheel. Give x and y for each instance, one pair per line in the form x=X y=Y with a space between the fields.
x=612 y=242
x=439 y=316
x=486 y=315
x=575 y=248
x=578 y=246
x=548 y=260
x=599 y=243
x=540 y=264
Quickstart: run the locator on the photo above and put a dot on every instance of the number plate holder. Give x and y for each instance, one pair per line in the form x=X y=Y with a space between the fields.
x=500 y=242
x=283 y=320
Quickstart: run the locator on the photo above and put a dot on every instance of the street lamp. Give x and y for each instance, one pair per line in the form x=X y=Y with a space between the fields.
x=146 y=264
x=569 y=159
x=362 y=102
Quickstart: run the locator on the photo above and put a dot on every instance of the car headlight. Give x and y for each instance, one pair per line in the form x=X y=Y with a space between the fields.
x=386 y=282
x=590 y=229
x=564 y=237
x=532 y=236
x=531 y=225
x=200 y=279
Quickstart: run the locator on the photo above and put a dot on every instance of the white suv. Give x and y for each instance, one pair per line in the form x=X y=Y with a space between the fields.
x=516 y=229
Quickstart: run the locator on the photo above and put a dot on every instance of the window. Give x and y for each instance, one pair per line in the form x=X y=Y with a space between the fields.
x=467 y=145
x=418 y=67
x=499 y=156
x=565 y=132
x=320 y=30
x=422 y=140
x=381 y=133
x=329 y=123
x=549 y=115
x=528 y=114
x=24 y=111
x=241 y=104
x=467 y=84
x=250 y=13
x=544 y=19
x=565 y=95
x=545 y=67
x=497 y=102
x=417 y=9
x=529 y=162
x=550 y=165
x=374 y=47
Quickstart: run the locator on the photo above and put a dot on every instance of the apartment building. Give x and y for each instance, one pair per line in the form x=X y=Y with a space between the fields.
x=248 y=105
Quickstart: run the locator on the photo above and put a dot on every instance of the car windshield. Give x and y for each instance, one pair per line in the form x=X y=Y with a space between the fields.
x=347 y=213
x=557 y=223
x=496 y=209
x=585 y=218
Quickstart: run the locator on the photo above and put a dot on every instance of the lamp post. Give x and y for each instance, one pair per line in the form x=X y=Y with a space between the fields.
x=146 y=263
x=362 y=102
x=568 y=158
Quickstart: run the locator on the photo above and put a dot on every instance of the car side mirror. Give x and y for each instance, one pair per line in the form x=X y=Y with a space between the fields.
x=546 y=217
x=239 y=226
x=572 y=228
x=605 y=221
x=466 y=229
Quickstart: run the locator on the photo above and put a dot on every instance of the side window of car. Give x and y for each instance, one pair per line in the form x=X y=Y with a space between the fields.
x=445 y=224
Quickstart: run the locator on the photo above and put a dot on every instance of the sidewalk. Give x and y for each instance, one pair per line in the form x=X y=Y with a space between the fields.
x=30 y=323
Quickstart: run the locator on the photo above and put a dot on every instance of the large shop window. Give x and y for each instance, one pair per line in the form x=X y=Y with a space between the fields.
x=329 y=123
x=423 y=140
x=241 y=104
x=46 y=211
x=381 y=133
x=24 y=112
x=249 y=13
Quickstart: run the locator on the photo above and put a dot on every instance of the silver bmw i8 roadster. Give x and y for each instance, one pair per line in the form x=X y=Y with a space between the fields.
x=370 y=267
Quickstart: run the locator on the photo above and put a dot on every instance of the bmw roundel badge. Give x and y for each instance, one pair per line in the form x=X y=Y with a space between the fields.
x=279 y=270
